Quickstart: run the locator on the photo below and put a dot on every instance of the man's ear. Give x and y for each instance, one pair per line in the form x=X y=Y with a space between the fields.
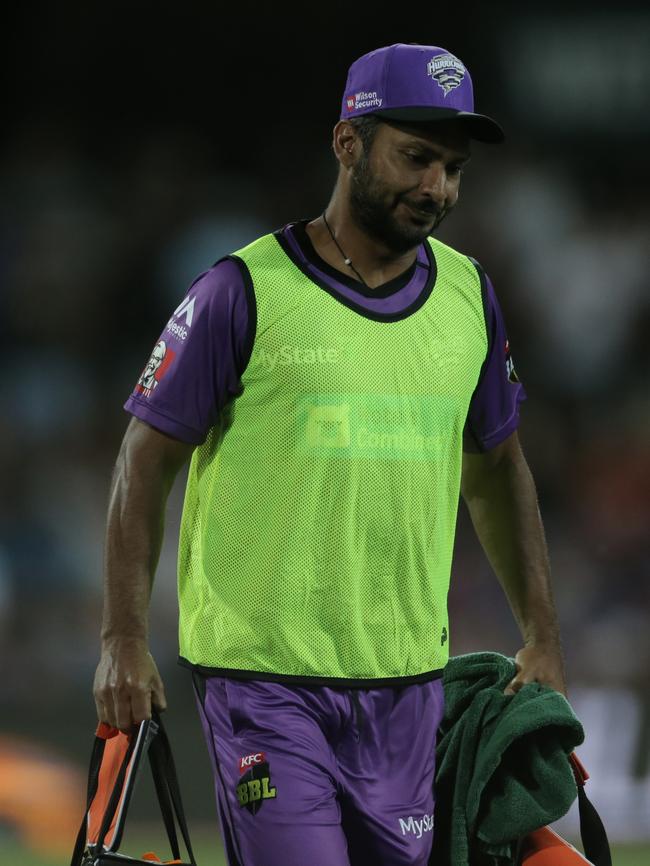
x=345 y=143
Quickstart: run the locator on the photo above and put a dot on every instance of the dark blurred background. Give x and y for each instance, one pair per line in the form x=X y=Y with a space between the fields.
x=143 y=141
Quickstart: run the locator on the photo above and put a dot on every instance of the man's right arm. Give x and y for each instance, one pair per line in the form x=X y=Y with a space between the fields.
x=127 y=681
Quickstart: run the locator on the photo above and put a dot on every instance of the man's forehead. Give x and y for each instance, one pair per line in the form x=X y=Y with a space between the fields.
x=448 y=134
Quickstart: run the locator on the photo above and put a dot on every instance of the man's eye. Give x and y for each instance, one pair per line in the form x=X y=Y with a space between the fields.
x=455 y=170
x=419 y=158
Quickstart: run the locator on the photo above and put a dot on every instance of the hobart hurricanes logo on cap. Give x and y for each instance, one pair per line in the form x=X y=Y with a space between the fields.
x=363 y=99
x=446 y=70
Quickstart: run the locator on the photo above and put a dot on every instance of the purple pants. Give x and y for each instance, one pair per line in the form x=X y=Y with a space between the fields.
x=316 y=776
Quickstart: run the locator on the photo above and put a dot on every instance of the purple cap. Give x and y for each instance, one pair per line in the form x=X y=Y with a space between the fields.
x=415 y=83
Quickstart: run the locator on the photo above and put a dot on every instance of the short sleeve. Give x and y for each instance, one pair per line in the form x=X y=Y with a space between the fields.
x=195 y=367
x=494 y=408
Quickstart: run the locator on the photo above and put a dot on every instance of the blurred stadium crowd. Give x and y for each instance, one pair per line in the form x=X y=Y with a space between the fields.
x=96 y=250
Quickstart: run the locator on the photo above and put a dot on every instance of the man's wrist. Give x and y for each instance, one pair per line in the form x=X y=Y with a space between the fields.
x=546 y=640
x=111 y=638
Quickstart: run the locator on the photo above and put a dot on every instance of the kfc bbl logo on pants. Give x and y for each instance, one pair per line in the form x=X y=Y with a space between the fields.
x=254 y=787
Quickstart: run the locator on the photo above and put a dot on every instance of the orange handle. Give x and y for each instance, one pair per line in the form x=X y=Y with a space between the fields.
x=581 y=775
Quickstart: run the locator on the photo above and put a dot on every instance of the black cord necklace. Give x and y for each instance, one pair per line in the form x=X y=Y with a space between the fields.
x=347 y=260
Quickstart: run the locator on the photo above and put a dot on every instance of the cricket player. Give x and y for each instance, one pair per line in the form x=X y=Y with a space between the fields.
x=335 y=386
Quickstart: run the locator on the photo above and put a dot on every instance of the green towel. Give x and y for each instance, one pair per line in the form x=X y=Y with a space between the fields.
x=502 y=762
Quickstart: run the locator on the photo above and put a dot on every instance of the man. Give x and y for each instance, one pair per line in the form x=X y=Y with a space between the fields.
x=331 y=382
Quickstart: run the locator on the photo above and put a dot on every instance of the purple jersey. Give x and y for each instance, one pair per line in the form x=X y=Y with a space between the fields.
x=195 y=368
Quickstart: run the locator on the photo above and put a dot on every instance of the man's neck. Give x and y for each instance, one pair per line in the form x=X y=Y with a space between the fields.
x=371 y=261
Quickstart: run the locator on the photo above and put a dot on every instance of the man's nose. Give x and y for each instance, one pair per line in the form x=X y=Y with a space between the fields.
x=433 y=183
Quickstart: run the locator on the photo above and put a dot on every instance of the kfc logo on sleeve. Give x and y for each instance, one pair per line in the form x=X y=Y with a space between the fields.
x=510 y=366
x=157 y=365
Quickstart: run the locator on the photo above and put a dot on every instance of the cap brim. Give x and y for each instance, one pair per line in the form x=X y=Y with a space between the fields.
x=479 y=126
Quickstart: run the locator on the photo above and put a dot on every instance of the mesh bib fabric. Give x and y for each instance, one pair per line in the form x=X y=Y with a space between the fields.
x=319 y=516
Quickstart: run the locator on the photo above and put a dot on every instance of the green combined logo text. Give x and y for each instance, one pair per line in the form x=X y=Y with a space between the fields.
x=375 y=426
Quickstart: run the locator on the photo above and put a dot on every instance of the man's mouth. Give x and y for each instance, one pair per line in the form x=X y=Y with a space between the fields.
x=423 y=213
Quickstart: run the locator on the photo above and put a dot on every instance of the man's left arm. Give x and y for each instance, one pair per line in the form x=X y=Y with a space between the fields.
x=500 y=494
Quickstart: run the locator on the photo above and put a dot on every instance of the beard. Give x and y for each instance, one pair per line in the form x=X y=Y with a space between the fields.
x=372 y=206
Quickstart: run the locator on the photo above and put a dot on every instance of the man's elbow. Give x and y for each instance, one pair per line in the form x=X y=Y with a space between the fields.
x=480 y=471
